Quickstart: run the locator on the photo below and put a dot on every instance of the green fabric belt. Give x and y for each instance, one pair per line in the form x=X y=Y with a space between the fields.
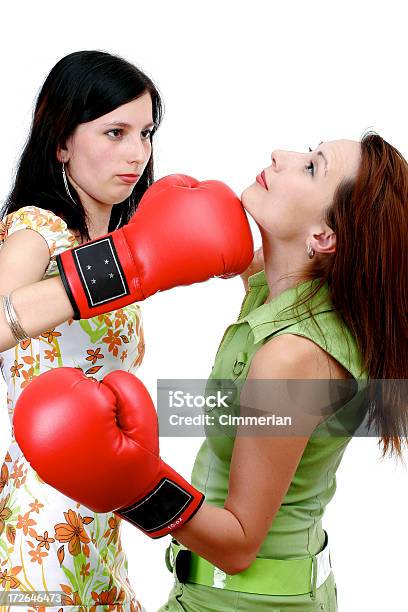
x=263 y=577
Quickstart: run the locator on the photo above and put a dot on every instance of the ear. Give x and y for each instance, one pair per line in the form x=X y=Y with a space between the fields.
x=323 y=242
x=62 y=154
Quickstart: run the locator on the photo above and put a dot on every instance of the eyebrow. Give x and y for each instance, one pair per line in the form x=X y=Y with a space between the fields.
x=124 y=124
x=325 y=160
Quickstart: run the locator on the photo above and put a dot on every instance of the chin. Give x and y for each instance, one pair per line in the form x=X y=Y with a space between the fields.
x=247 y=197
x=250 y=198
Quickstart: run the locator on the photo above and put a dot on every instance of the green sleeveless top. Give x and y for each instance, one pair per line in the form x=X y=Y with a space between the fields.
x=296 y=530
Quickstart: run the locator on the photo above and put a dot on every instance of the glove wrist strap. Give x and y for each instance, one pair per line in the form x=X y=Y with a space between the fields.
x=95 y=275
x=169 y=505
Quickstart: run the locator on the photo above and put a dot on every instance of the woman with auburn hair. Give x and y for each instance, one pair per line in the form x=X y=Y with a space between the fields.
x=329 y=308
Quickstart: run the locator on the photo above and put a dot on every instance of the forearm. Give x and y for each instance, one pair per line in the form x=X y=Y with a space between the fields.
x=217 y=535
x=39 y=306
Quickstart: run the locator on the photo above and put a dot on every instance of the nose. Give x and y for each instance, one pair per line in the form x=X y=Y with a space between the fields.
x=283 y=159
x=139 y=151
x=277 y=158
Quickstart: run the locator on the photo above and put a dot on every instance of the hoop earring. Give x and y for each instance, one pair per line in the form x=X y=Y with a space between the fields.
x=310 y=251
x=64 y=178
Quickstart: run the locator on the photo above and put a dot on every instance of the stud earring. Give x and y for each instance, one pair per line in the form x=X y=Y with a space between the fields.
x=310 y=251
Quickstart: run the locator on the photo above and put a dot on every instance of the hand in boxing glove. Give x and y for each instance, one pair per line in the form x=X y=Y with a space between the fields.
x=184 y=231
x=97 y=442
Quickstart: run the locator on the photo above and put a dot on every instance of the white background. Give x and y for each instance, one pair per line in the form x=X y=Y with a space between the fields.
x=237 y=82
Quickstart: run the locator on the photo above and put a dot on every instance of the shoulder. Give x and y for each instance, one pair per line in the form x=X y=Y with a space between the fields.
x=45 y=222
x=34 y=216
x=294 y=356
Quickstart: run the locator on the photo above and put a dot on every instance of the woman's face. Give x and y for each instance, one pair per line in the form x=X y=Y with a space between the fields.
x=298 y=187
x=113 y=144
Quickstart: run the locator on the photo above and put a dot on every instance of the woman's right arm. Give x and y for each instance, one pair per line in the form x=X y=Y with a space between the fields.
x=39 y=304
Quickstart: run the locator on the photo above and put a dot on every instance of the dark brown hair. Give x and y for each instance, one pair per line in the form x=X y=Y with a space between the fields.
x=368 y=279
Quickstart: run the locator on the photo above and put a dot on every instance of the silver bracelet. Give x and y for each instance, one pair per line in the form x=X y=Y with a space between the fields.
x=18 y=332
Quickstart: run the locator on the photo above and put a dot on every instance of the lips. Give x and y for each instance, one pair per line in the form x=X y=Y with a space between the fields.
x=261 y=179
x=128 y=178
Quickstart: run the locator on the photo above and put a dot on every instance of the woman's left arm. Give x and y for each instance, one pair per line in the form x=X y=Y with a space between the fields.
x=262 y=468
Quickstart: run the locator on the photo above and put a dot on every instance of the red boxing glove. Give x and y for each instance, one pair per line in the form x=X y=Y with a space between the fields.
x=97 y=442
x=183 y=232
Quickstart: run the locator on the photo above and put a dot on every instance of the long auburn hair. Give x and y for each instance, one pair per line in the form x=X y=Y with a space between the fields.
x=81 y=87
x=367 y=276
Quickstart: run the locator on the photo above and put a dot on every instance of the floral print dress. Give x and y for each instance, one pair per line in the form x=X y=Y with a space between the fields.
x=49 y=542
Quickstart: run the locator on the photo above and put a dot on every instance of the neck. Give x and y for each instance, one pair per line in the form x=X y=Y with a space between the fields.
x=98 y=216
x=97 y=213
x=97 y=223
x=284 y=267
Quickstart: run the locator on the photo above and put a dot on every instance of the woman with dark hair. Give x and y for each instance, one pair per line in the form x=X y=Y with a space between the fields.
x=67 y=191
